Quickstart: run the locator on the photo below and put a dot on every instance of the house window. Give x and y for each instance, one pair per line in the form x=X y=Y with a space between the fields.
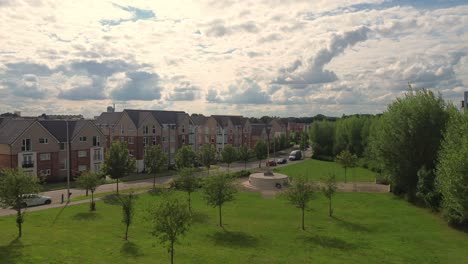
x=96 y=141
x=145 y=141
x=82 y=139
x=154 y=129
x=82 y=154
x=130 y=140
x=97 y=155
x=121 y=129
x=183 y=140
x=63 y=165
x=44 y=156
x=82 y=168
x=183 y=129
x=62 y=146
x=154 y=141
x=145 y=130
x=26 y=145
x=43 y=140
x=44 y=173
x=27 y=161
x=131 y=153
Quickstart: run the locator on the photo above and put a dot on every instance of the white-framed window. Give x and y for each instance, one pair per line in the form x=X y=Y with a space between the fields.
x=62 y=145
x=27 y=161
x=26 y=146
x=154 y=129
x=130 y=140
x=82 y=168
x=43 y=141
x=145 y=130
x=83 y=139
x=145 y=141
x=131 y=152
x=96 y=141
x=44 y=156
x=97 y=155
x=154 y=141
x=82 y=153
x=63 y=164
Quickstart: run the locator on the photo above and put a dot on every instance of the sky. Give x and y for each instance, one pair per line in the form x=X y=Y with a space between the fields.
x=252 y=58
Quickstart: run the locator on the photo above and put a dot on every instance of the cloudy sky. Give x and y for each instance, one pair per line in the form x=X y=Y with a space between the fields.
x=259 y=57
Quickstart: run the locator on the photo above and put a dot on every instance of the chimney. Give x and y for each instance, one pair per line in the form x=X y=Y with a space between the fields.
x=17 y=113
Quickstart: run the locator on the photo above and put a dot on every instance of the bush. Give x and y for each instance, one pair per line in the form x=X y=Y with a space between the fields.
x=323 y=157
x=241 y=174
x=425 y=189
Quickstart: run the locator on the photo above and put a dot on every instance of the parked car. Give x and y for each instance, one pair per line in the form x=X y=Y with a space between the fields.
x=271 y=162
x=295 y=155
x=35 y=199
x=281 y=160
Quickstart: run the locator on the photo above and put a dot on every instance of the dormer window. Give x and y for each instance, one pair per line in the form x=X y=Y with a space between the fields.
x=43 y=140
x=154 y=129
x=26 y=146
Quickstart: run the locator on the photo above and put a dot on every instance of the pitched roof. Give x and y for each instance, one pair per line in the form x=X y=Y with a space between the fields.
x=58 y=128
x=257 y=129
x=107 y=118
x=13 y=128
x=199 y=120
x=163 y=117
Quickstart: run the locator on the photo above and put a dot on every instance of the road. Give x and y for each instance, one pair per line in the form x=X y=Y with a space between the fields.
x=111 y=187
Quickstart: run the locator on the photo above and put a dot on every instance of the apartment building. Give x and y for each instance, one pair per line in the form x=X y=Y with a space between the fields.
x=41 y=147
x=278 y=128
x=223 y=130
x=259 y=132
x=201 y=132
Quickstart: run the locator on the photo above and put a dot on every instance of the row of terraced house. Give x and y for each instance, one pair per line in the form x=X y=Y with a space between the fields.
x=53 y=147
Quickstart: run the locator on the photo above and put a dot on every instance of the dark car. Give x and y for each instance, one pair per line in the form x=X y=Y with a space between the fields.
x=271 y=162
x=281 y=161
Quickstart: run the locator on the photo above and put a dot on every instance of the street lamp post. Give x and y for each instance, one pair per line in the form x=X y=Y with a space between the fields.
x=68 y=164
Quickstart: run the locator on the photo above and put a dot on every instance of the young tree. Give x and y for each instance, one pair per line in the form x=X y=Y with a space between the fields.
x=118 y=162
x=299 y=194
x=185 y=157
x=347 y=160
x=188 y=183
x=244 y=155
x=304 y=143
x=127 y=203
x=90 y=181
x=154 y=161
x=329 y=188
x=229 y=154
x=208 y=156
x=261 y=151
x=409 y=136
x=171 y=220
x=452 y=170
x=217 y=190
x=14 y=185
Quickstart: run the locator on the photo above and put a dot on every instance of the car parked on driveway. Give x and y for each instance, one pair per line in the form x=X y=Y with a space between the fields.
x=35 y=199
x=281 y=160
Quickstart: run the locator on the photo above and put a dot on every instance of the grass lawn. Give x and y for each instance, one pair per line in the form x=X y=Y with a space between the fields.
x=317 y=169
x=368 y=228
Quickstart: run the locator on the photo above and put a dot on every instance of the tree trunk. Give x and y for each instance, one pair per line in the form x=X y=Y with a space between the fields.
x=86 y=192
x=330 y=212
x=303 y=227
x=220 y=217
x=172 y=252
x=126 y=232
x=117 y=185
x=93 y=205
x=189 y=203
x=345 y=174
x=19 y=221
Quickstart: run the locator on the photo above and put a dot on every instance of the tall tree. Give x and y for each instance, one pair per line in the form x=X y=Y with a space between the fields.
x=208 y=156
x=329 y=188
x=322 y=136
x=14 y=186
x=185 y=157
x=229 y=155
x=244 y=155
x=154 y=160
x=188 y=183
x=128 y=209
x=409 y=136
x=217 y=190
x=261 y=151
x=452 y=170
x=347 y=160
x=118 y=163
x=304 y=141
x=90 y=181
x=171 y=219
x=299 y=194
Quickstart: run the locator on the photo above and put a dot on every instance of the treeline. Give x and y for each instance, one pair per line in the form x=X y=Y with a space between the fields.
x=420 y=145
x=308 y=120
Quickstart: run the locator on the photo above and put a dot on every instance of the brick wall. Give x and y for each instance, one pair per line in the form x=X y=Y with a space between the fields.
x=6 y=161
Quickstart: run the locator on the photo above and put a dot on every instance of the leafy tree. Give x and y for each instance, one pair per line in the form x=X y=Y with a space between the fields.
x=426 y=189
x=261 y=151
x=346 y=160
x=322 y=136
x=217 y=190
x=452 y=170
x=229 y=154
x=244 y=154
x=185 y=157
x=299 y=194
x=283 y=142
x=171 y=220
x=154 y=160
x=90 y=181
x=304 y=142
x=351 y=133
x=118 y=163
x=329 y=189
x=208 y=156
x=409 y=136
x=188 y=183
x=128 y=208
x=14 y=186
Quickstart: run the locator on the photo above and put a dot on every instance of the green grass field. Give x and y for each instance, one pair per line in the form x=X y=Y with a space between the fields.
x=368 y=228
x=316 y=170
